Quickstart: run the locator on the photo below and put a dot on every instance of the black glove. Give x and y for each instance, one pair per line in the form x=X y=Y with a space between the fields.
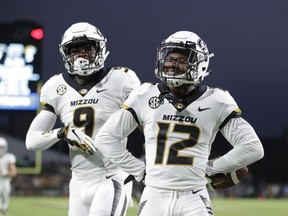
x=131 y=178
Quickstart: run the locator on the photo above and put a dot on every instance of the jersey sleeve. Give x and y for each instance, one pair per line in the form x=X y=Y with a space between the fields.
x=134 y=103
x=40 y=135
x=247 y=148
x=108 y=141
x=230 y=108
x=44 y=96
x=131 y=81
x=12 y=158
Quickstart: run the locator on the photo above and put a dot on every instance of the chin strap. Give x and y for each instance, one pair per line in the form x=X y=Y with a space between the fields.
x=165 y=94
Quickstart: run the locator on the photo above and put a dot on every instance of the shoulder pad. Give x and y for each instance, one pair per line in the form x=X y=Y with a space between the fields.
x=218 y=89
x=152 y=83
x=124 y=69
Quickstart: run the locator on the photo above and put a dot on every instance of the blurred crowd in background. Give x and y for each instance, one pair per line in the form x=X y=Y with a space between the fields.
x=54 y=180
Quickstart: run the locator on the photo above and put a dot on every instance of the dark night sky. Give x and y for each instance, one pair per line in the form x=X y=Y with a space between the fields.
x=248 y=38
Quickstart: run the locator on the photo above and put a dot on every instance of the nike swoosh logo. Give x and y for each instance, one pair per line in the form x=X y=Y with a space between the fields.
x=215 y=184
x=194 y=192
x=107 y=177
x=203 y=109
x=73 y=131
x=100 y=90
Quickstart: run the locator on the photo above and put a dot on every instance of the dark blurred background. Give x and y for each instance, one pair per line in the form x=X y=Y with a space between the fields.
x=248 y=38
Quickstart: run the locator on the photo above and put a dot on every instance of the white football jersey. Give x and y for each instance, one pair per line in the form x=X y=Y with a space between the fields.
x=5 y=160
x=179 y=133
x=88 y=107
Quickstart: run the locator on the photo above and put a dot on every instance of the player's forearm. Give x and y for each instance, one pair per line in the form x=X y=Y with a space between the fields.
x=115 y=150
x=124 y=160
x=108 y=141
x=247 y=148
x=41 y=140
x=232 y=160
x=40 y=135
x=12 y=171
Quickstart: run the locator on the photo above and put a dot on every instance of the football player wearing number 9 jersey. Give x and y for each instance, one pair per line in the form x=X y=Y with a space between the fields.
x=180 y=120
x=83 y=99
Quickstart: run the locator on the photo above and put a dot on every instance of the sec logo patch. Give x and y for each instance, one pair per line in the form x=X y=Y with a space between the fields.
x=61 y=90
x=154 y=102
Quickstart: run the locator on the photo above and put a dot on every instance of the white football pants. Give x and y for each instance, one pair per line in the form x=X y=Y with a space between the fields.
x=159 y=202
x=99 y=197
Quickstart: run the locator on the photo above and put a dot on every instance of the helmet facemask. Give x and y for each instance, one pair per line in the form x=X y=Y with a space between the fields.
x=83 y=49
x=190 y=51
x=176 y=65
x=81 y=58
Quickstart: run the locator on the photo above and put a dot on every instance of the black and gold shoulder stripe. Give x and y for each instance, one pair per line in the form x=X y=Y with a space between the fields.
x=235 y=114
x=131 y=110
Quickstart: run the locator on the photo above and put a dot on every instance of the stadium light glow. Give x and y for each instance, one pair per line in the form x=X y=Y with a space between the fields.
x=37 y=33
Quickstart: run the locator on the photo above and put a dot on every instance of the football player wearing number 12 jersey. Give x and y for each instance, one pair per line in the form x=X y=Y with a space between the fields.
x=83 y=99
x=180 y=120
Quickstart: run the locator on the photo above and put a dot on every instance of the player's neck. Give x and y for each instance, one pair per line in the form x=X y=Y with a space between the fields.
x=84 y=79
x=182 y=91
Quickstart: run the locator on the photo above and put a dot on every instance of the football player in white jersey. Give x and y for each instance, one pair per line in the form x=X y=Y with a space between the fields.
x=8 y=171
x=180 y=120
x=83 y=99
